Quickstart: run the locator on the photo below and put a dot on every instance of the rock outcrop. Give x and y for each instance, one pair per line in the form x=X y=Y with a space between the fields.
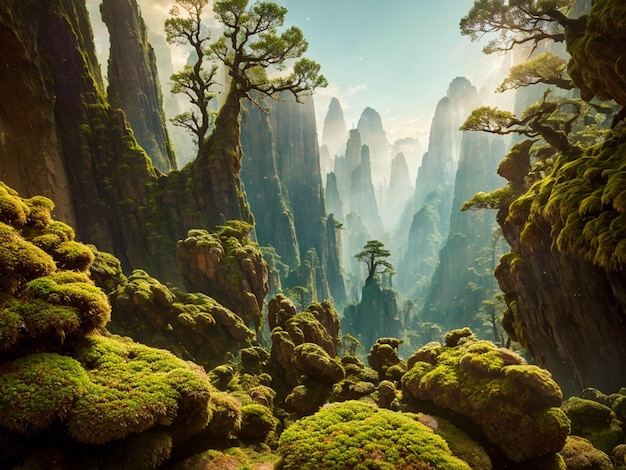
x=496 y=390
x=566 y=266
x=134 y=84
x=67 y=386
x=227 y=266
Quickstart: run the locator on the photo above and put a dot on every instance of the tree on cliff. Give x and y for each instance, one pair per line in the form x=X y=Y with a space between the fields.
x=516 y=22
x=595 y=41
x=374 y=256
x=185 y=28
x=255 y=56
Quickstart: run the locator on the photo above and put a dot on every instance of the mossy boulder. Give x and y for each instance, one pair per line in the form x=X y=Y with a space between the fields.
x=257 y=422
x=326 y=314
x=304 y=327
x=227 y=266
x=111 y=389
x=194 y=326
x=279 y=310
x=308 y=397
x=515 y=405
x=595 y=422
x=353 y=434
x=348 y=389
x=47 y=298
x=580 y=454
x=312 y=361
x=619 y=456
x=383 y=358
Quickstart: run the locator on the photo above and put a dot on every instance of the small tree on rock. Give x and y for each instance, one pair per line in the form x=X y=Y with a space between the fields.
x=374 y=256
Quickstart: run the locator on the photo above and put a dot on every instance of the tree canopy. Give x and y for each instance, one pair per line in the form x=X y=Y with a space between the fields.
x=251 y=46
x=514 y=22
x=374 y=255
x=195 y=81
x=256 y=56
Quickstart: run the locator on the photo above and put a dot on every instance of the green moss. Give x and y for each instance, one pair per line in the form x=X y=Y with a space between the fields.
x=584 y=201
x=89 y=300
x=257 y=422
x=20 y=261
x=133 y=388
x=358 y=435
x=38 y=390
x=498 y=392
x=74 y=256
x=12 y=210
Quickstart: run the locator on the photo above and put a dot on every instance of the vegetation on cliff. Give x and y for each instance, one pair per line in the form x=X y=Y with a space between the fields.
x=561 y=211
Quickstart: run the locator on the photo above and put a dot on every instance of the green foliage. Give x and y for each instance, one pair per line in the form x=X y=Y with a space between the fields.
x=251 y=44
x=544 y=68
x=185 y=28
x=359 y=435
x=493 y=200
x=374 y=256
x=515 y=22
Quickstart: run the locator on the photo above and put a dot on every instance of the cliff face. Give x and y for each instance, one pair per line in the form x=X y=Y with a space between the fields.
x=281 y=172
x=299 y=168
x=274 y=219
x=102 y=178
x=460 y=283
x=398 y=193
x=134 y=80
x=334 y=133
x=564 y=278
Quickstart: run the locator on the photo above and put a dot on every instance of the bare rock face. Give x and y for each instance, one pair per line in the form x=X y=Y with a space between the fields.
x=226 y=266
x=497 y=391
x=134 y=80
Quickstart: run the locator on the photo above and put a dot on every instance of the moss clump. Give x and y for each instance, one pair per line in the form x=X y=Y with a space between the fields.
x=257 y=422
x=20 y=261
x=132 y=388
x=38 y=390
x=495 y=389
x=595 y=422
x=579 y=453
x=584 y=201
x=359 y=435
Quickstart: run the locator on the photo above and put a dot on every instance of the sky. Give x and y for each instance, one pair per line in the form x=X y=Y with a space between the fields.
x=396 y=56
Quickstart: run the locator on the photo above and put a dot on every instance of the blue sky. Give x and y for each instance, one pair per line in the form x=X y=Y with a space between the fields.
x=396 y=56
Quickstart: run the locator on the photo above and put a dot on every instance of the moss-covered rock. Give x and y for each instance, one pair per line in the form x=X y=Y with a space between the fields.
x=348 y=389
x=257 y=422
x=515 y=405
x=619 y=456
x=308 y=397
x=355 y=434
x=383 y=358
x=191 y=325
x=580 y=454
x=312 y=361
x=228 y=266
x=595 y=422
